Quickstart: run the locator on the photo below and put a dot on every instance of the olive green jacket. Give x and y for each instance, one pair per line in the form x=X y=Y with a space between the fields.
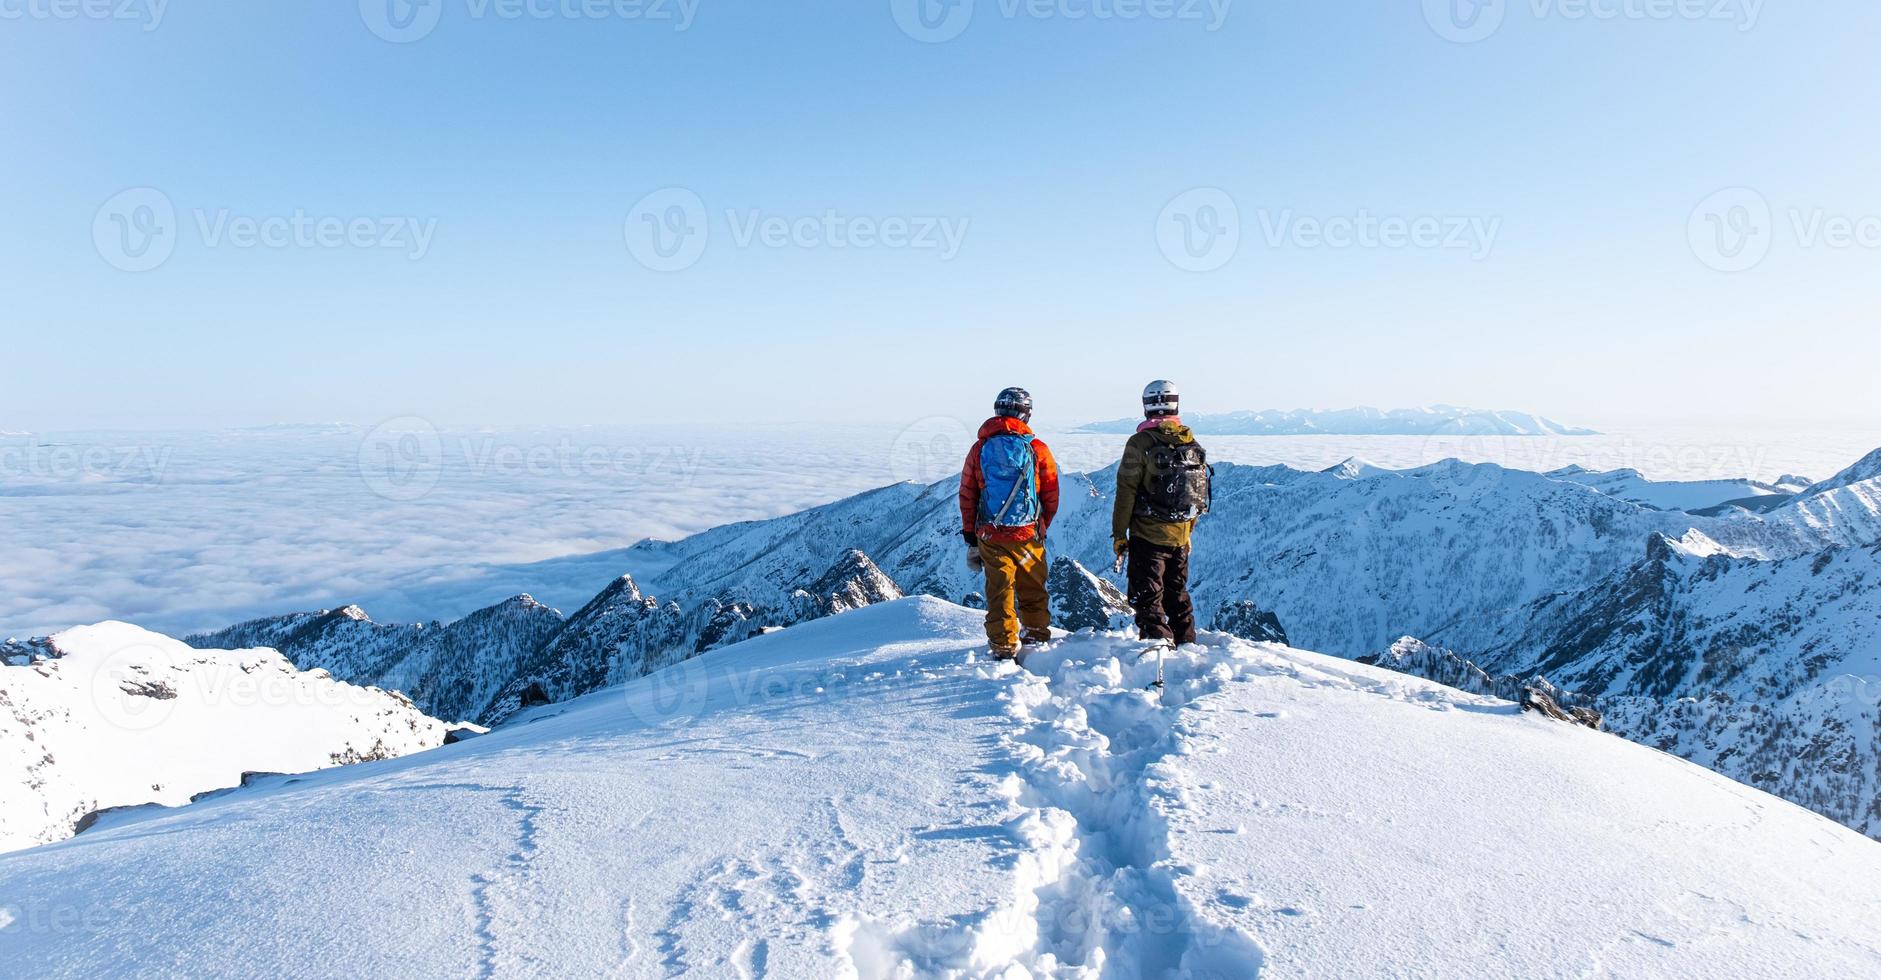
x=1134 y=474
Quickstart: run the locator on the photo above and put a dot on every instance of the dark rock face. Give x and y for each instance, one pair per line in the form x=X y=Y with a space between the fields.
x=619 y=634
x=622 y=633
x=1081 y=600
x=1541 y=703
x=853 y=582
x=449 y=670
x=1249 y=622
x=19 y=653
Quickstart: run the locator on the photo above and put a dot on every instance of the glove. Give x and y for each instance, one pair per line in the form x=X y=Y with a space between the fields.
x=1120 y=546
x=975 y=563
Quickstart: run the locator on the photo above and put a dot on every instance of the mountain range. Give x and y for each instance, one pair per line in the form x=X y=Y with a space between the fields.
x=1434 y=420
x=1609 y=589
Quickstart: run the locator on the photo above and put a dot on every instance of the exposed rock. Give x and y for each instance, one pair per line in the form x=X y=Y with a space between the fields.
x=1419 y=659
x=1249 y=622
x=853 y=582
x=1081 y=600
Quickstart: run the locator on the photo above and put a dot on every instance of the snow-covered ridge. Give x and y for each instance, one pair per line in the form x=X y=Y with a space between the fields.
x=884 y=802
x=1462 y=555
x=121 y=717
x=1430 y=421
x=1767 y=671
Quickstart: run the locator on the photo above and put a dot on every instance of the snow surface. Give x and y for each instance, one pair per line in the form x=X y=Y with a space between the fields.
x=125 y=717
x=866 y=795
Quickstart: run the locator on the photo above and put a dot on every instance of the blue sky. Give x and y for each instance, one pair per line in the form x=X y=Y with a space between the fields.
x=1544 y=201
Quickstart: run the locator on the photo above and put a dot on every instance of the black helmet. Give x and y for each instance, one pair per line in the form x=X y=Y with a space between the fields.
x=1014 y=403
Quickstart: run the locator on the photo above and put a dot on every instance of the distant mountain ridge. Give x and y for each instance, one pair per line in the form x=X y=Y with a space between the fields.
x=1505 y=567
x=1434 y=420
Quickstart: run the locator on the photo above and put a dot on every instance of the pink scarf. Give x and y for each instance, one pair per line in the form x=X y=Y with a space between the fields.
x=1149 y=424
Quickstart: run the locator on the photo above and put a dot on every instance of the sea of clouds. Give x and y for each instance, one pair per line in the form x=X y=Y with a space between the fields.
x=187 y=531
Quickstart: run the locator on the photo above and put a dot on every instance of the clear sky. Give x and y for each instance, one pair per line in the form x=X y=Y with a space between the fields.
x=1507 y=206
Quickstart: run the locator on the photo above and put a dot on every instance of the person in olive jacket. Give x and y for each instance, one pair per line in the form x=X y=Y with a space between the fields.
x=1163 y=487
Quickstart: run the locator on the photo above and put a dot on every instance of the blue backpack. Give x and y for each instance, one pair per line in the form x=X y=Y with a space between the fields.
x=1010 y=497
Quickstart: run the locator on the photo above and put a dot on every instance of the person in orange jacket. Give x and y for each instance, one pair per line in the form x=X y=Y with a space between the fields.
x=1008 y=497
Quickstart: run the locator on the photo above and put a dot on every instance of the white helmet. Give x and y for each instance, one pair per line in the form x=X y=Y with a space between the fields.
x=1160 y=399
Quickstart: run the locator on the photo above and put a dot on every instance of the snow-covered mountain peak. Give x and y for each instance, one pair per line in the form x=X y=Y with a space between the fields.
x=1692 y=544
x=1865 y=469
x=121 y=716
x=1354 y=468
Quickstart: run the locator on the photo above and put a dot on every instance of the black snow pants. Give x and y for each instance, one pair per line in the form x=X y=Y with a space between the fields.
x=1159 y=589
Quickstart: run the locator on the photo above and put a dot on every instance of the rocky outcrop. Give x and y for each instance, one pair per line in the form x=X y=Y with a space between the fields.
x=449 y=670
x=853 y=582
x=1249 y=622
x=1082 y=600
x=623 y=633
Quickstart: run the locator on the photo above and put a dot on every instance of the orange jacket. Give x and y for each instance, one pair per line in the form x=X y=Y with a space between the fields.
x=972 y=481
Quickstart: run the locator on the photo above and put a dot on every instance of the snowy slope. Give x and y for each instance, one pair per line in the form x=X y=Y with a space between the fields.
x=1431 y=421
x=1844 y=509
x=1767 y=671
x=123 y=717
x=864 y=796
